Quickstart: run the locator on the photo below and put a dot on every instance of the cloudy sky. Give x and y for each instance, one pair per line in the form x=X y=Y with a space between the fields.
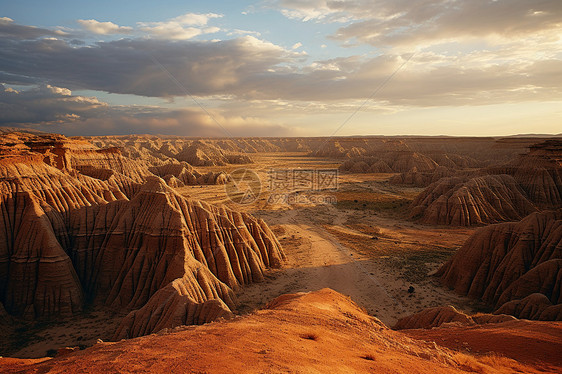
x=282 y=67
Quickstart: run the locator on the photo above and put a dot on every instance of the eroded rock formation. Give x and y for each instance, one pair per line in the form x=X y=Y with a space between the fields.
x=508 y=264
x=435 y=317
x=422 y=179
x=69 y=238
x=183 y=174
x=480 y=200
x=390 y=162
x=200 y=153
x=506 y=193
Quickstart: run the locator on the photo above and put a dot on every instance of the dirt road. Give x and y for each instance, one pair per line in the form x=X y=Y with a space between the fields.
x=317 y=259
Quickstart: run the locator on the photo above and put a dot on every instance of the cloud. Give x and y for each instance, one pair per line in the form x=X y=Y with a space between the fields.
x=128 y=66
x=243 y=32
x=440 y=20
x=195 y=19
x=103 y=28
x=11 y=30
x=394 y=22
x=56 y=109
x=183 y=27
x=296 y=45
x=185 y=122
x=44 y=104
x=246 y=68
x=307 y=10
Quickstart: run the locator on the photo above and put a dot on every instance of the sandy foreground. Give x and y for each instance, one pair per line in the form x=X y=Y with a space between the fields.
x=318 y=332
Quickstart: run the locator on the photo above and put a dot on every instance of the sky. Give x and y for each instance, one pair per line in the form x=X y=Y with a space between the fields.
x=282 y=67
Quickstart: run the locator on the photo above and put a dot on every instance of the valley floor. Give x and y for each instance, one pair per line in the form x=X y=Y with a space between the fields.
x=360 y=245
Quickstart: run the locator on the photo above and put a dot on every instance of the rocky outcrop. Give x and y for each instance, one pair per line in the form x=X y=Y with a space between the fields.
x=162 y=232
x=69 y=239
x=463 y=202
x=109 y=159
x=422 y=179
x=37 y=277
x=184 y=174
x=200 y=153
x=507 y=264
x=393 y=162
x=5 y=318
x=169 y=307
x=535 y=306
x=540 y=173
x=435 y=317
x=531 y=182
x=455 y=153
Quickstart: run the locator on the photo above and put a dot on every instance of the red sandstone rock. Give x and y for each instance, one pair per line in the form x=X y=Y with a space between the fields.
x=200 y=153
x=534 y=182
x=68 y=236
x=511 y=261
x=173 y=306
x=435 y=317
x=322 y=332
x=422 y=179
x=480 y=200
x=186 y=175
x=392 y=161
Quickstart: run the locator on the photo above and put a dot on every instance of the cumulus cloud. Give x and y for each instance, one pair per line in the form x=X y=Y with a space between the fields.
x=307 y=10
x=128 y=65
x=103 y=28
x=183 y=27
x=195 y=19
x=44 y=104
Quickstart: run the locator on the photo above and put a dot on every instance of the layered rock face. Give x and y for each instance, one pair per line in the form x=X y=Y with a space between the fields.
x=435 y=317
x=183 y=174
x=204 y=251
x=459 y=201
x=390 y=162
x=70 y=238
x=448 y=152
x=515 y=267
x=169 y=307
x=540 y=173
x=507 y=193
x=200 y=153
x=422 y=179
x=156 y=151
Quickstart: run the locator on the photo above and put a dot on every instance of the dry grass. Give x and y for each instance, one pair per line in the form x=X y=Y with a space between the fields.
x=369 y=200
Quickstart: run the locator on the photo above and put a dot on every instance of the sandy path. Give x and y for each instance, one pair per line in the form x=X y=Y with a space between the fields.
x=319 y=260
x=316 y=258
